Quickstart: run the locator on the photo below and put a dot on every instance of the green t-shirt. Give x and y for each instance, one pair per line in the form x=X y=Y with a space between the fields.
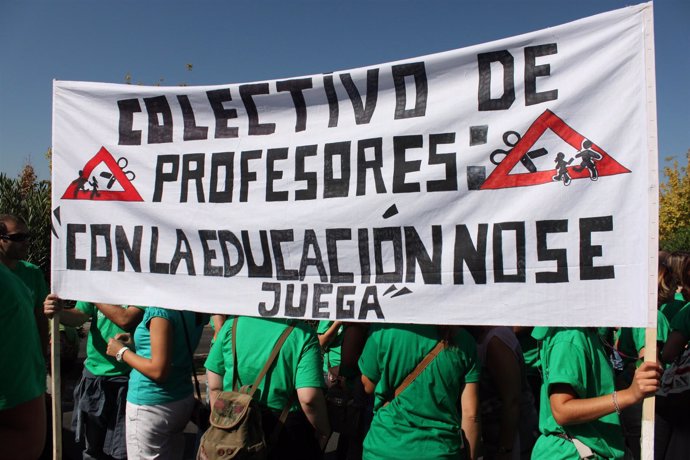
x=101 y=330
x=178 y=385
x=576 y=356
x=22 y=364
x=331 y=354
x=424 y=421
x=681 y=322
x=671 y=309
x=632 y=339
x=298 y=365
x=34 y=279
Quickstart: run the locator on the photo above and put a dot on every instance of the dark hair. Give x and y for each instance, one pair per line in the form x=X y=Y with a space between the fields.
x=668 y=284
x=4 y=218
x=679 y=264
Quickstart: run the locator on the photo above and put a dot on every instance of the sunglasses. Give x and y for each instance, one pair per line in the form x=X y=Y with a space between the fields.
x=16 y=237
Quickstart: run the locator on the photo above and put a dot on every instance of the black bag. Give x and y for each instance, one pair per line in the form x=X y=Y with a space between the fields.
x=343 y=411
x=201 y=415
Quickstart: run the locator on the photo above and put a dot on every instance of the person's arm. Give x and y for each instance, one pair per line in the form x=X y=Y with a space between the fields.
x=568 y=409
x=157 y=367
x=471 y=426
x=313 y=405
x=327 y=337
x=69 y=317
x=674 y=347
x=126 y=318
x=369 y=386
x=354 y=338
x=504 y=370
x=218 y=321
x=215 y=385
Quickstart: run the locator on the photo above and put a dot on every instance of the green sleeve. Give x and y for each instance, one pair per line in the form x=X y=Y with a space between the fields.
x=309 y=373
x=663 y=328
x=638 y=337
x=469 y=347
x=681 y=322
x=86 y=307
x=662 y=331
x=566 y=364
x=368 y=361
x=156 y=312
x=215 y=362
x=323 y=326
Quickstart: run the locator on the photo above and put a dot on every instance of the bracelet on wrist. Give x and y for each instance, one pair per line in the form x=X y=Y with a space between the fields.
x=614 y=396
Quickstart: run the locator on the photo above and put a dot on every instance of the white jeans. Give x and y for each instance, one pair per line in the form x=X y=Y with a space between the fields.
x=157 y=432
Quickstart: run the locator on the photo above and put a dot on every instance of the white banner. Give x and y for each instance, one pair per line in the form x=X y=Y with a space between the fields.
x=504 y=183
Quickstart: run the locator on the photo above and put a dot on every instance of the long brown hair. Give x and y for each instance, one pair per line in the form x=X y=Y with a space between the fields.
x=679 y=263
x=667 y=284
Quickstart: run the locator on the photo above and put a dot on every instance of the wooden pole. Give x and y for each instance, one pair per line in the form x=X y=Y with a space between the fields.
x=647 y=439
x=648 y=406
x=55 y=386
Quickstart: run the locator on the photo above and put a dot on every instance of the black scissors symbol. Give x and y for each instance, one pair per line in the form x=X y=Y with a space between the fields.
x=526 y=159
x=122 y=164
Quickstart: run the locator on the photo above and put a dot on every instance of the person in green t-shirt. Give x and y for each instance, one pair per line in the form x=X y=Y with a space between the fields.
x=630 y=344
x=425 y=420
x=679 y=338
x=579 y=403
x=297 y=371
x=99 y=398
x=672 y=408
x=14 y=248
x=23 y=385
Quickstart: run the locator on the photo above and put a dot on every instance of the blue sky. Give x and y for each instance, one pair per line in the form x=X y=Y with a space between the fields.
x=238 y=41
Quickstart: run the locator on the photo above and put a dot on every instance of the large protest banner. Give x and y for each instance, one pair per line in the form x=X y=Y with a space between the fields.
x=503 y=183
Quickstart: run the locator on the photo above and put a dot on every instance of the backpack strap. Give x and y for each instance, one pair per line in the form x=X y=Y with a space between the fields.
x=274 y=353
x=235 y=376
x=272 y=357
x=418 y=370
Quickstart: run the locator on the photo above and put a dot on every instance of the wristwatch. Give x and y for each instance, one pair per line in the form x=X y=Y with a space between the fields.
x=120 y=354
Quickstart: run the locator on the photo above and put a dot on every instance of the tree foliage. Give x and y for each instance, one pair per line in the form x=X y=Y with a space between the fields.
x=674 y=207
x=29 y=199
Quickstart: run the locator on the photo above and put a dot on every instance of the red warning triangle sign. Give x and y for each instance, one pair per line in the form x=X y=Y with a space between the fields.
x=501 y=177
x=76 y=190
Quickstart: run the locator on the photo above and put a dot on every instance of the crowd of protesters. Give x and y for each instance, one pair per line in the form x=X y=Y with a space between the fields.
x=407 y=391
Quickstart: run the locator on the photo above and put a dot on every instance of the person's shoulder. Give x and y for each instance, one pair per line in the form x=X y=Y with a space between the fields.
x=323 y=326
x=26 y=265
x=462 y=336
x=573 y=339
x=28 y=271
x=302 y=329
x=11 y=283
x=569 y=333
x=158 y=312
